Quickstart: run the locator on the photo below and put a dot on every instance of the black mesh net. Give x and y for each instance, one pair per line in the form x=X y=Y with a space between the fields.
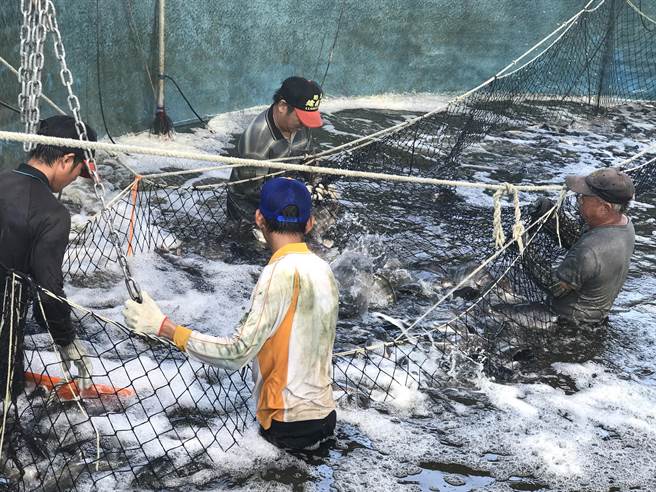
x=602 y=57
x=151 y=417
x=156 y=417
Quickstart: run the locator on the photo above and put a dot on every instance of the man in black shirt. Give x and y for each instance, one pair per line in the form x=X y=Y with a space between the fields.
x=34 y=230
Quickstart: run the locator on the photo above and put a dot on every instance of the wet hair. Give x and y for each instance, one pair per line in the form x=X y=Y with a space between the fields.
x=274 y=225
x=277 y=97
x=48 y=154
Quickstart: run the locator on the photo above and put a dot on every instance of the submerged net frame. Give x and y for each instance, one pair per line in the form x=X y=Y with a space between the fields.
x=493 y=330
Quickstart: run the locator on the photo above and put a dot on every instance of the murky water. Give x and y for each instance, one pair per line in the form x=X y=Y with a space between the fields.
x=578 y=425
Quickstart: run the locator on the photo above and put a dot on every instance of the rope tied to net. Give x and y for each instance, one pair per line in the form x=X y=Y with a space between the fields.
x=518 y=229
x=559 y=203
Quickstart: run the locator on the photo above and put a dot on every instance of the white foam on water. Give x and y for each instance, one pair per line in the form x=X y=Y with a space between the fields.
x=221 y=128
x=415 y=102
x=212 y=298
x=600 y=435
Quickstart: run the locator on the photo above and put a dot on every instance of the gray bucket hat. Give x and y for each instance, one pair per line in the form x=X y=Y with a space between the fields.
x=609 y=184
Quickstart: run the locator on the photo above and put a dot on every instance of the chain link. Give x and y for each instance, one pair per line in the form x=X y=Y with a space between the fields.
x=39 y=18
x=33 y=35
x=24 y=71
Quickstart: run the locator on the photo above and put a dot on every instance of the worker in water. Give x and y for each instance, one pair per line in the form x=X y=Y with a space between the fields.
x=34 y=231
x=590 y=277
x=288 y=333
x=281 y=130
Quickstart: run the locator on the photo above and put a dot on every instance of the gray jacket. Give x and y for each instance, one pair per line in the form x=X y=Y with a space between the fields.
x=262 y=140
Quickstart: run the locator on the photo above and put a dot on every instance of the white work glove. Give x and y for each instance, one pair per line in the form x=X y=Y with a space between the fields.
x=320 y=192
x=145 y=318
x=74 y=354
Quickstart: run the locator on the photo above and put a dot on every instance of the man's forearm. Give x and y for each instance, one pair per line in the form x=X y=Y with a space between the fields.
x=227 y=353
x=167 y=330
x=54 y=315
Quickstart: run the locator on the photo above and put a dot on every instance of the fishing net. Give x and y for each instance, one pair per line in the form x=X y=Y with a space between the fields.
x=151 y=418
x=603 y=56
x=471 y=303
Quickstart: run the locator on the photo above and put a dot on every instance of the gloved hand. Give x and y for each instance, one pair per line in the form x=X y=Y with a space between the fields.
x=540 y=207
x=74 y=354
x=320 y=192
x=145 y=318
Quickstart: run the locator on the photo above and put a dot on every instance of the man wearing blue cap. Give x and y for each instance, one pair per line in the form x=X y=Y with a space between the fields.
x=289 y=331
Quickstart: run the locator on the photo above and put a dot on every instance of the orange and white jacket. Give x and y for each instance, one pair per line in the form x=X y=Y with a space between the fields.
x=289 y=332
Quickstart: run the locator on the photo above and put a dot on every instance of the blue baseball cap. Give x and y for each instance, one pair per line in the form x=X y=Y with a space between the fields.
x=279 y=193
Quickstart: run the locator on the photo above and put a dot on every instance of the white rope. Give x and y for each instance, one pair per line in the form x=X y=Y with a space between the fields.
x=518 y=227
x=45 y=98
x=559 y=203
x=634 y=7
x=633 y=169
x=499 y=235
x=237 y=162
x=10 y=365
x=500 y=189
x=646 y=150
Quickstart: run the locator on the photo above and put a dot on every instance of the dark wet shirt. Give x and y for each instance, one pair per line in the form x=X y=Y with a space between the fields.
x=595 y=267
x=262 y=140
x=34 y=229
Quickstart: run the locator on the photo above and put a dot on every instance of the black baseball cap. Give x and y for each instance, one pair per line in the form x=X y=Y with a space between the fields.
x=609 y=184
x=304 y=96
x=63 y=126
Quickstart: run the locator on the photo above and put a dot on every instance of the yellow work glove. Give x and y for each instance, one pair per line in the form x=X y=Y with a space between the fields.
x=74 y=354
x=145 y=318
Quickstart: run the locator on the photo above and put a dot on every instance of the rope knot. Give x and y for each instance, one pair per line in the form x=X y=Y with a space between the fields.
x=518 y=228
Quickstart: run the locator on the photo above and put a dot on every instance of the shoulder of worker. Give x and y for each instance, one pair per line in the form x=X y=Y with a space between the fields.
x=31 y=194
x=605 y=240
x=298 y=259
x=257 y=139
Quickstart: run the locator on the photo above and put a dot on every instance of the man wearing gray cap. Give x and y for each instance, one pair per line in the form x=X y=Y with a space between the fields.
x=593 y=272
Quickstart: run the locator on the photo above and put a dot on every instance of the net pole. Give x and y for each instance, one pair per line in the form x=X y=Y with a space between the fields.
x=162 y=54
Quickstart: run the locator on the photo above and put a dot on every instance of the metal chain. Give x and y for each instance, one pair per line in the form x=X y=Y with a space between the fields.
x=39 y=17
x=24 y=72
x=33 y=36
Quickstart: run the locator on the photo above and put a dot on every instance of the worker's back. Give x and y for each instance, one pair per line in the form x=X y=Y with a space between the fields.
x=294 y=366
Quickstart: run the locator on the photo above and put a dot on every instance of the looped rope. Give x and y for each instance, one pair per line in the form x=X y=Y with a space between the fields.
x=518 y=227
x=499 y=236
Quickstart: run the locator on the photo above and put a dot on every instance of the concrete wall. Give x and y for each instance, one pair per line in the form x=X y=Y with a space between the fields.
x=233 y=54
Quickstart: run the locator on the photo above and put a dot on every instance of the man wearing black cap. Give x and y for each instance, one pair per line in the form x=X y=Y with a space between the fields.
x=282 y=130
x=594 y=270
x=34 y=229
x=288 y=333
